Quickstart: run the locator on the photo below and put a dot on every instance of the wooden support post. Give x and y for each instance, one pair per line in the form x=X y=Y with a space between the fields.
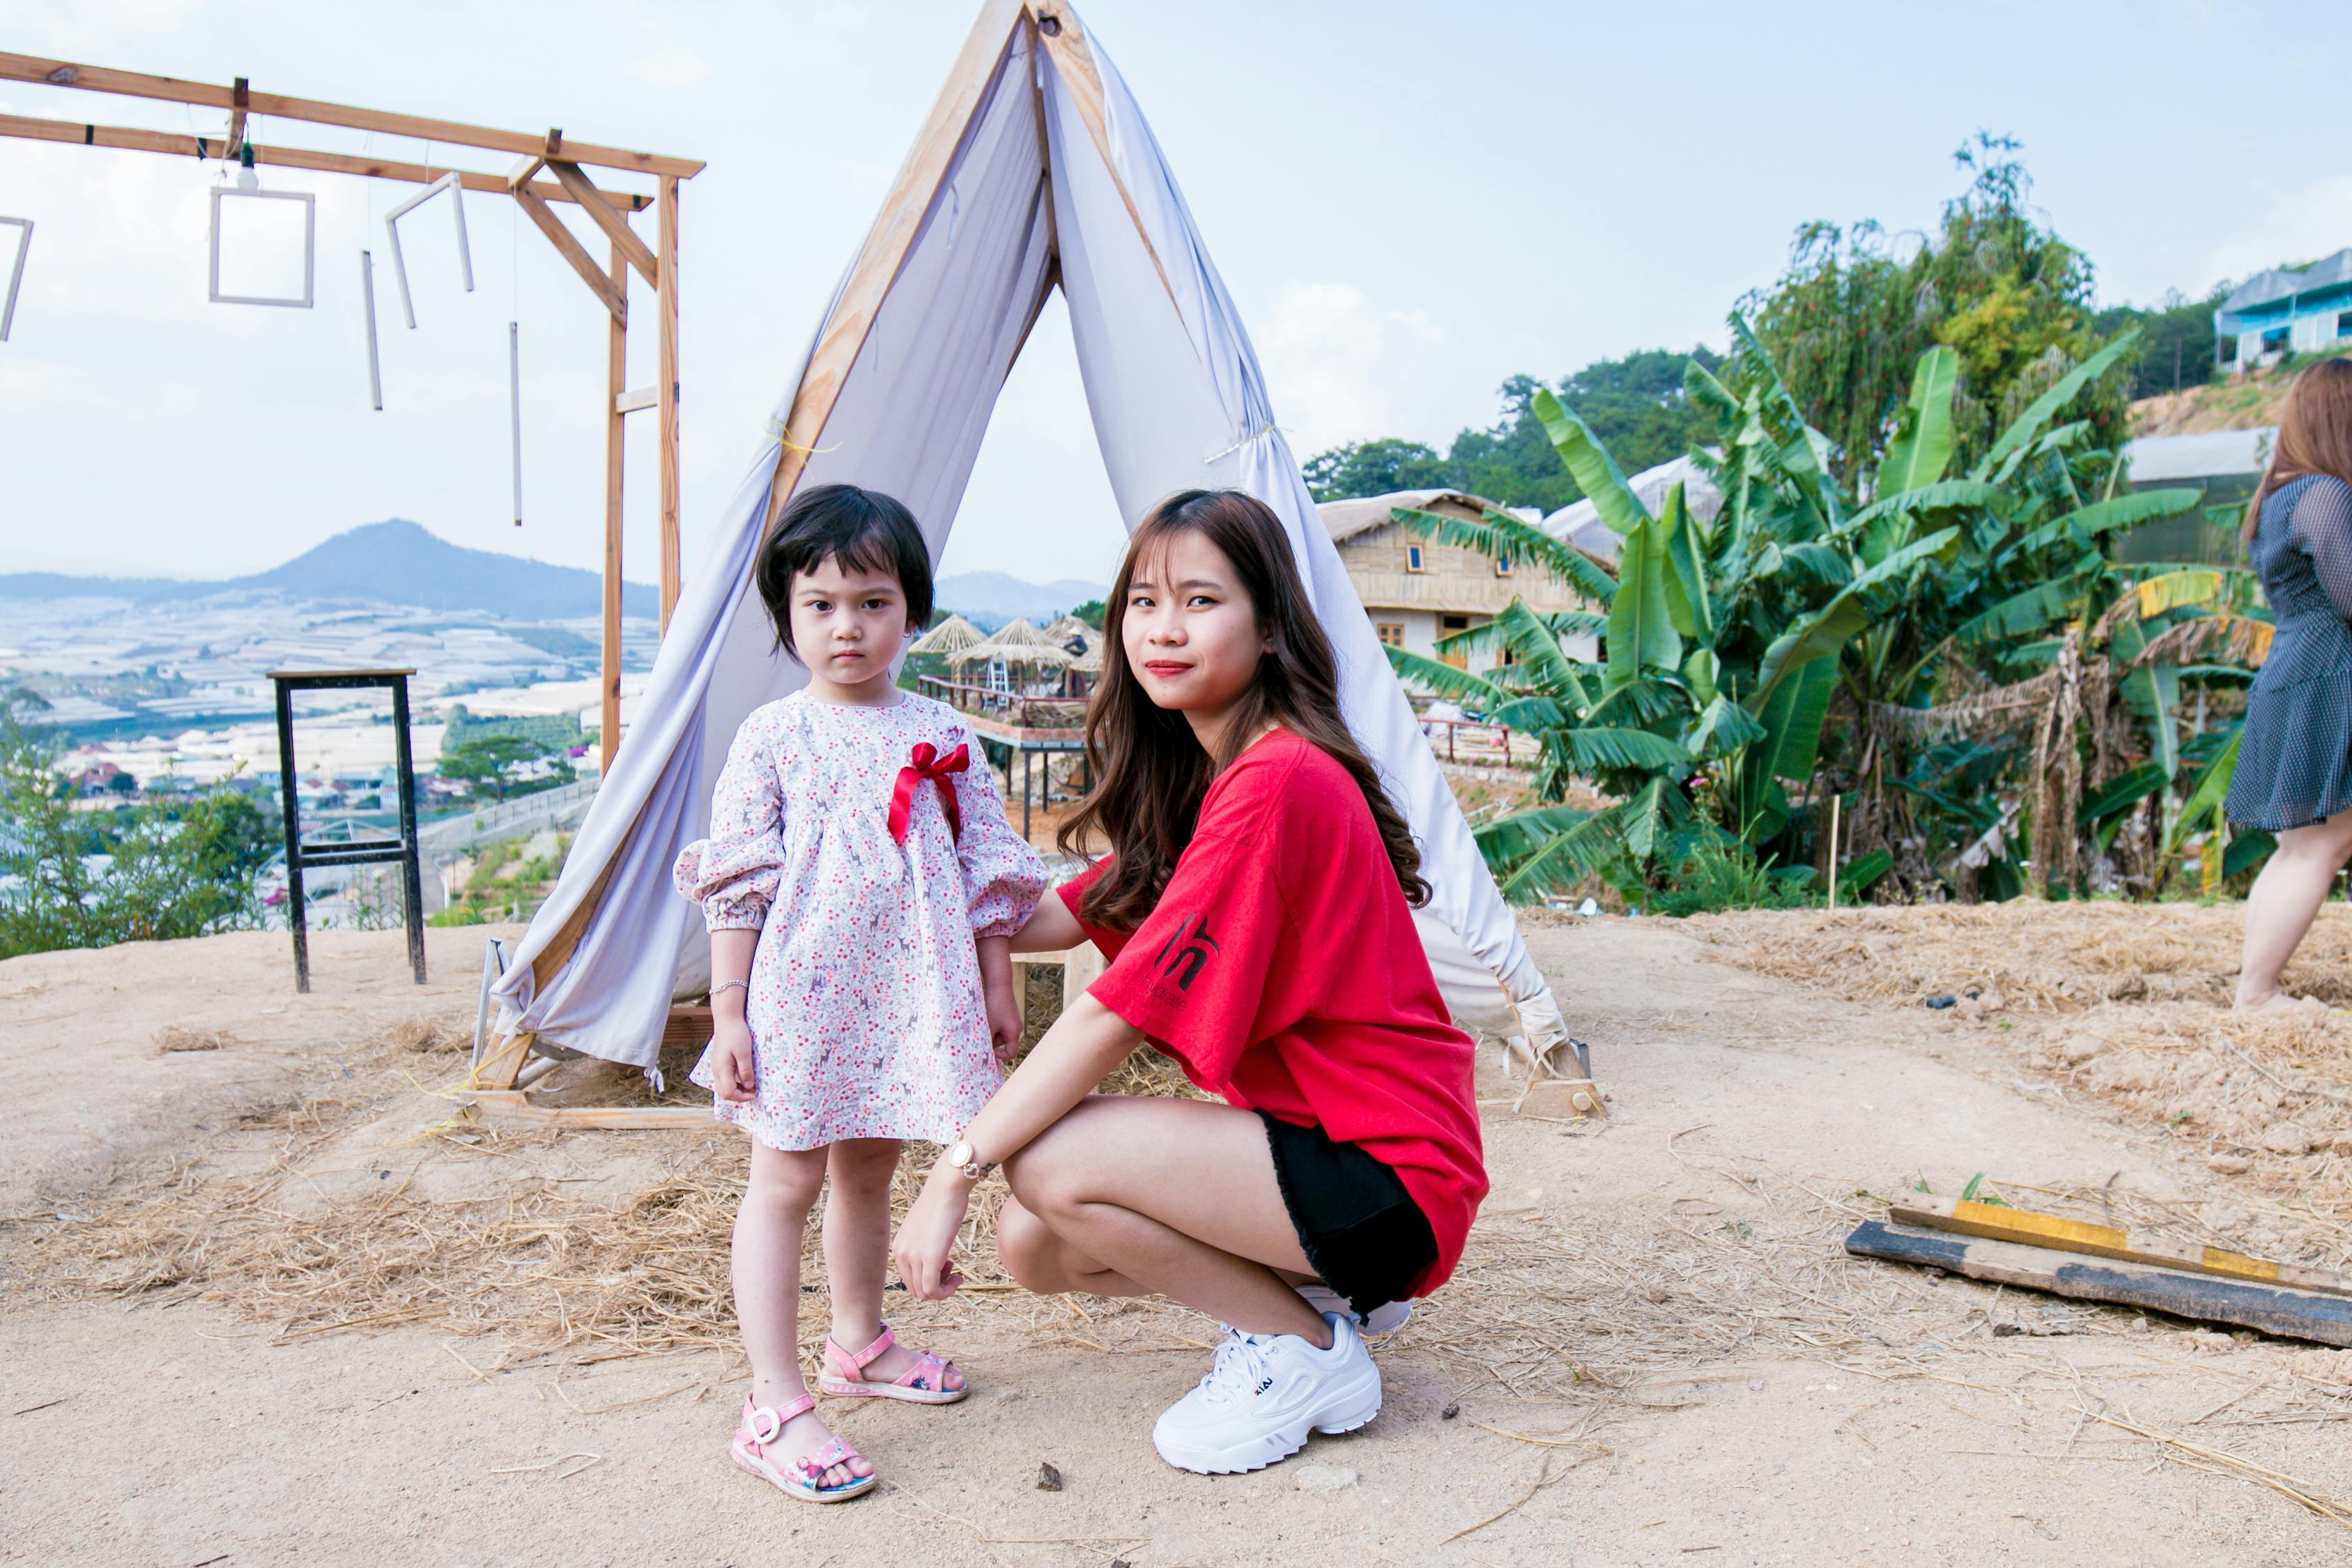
x=666 y=395
x=616 y=382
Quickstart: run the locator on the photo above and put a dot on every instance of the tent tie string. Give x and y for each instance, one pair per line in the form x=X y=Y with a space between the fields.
x=776 y=429
x=1260 y=434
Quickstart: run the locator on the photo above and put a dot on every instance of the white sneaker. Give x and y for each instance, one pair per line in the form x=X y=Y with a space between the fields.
x=1384 y=1319
x=1264 y=1394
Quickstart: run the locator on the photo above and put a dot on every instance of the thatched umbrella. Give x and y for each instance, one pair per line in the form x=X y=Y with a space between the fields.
x=952 y=636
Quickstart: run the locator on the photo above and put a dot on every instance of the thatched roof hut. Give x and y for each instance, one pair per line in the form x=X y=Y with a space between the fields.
x=950 y=636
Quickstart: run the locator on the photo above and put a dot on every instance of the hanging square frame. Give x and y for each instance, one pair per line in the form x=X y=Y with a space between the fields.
x=310 y=248
x=15 y=271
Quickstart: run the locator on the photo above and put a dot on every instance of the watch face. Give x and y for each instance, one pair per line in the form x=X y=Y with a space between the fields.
x=960 y=1154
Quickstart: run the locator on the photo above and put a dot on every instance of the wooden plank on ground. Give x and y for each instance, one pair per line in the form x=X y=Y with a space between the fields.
x=2271 y=1309
x=512 y=1108
x=1997 y=1222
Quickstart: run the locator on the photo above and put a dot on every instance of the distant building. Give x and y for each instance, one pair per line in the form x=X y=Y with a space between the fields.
x=1416 y=591
x=2285 y=311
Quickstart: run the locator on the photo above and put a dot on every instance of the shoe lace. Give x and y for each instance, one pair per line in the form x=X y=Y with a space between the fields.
x=1241 y=1361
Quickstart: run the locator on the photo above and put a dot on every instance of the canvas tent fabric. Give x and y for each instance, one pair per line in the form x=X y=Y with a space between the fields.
x=1036 y=168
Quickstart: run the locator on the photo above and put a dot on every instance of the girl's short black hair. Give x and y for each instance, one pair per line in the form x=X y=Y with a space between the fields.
x=856 y=528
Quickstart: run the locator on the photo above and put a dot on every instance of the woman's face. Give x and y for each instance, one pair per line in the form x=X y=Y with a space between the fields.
x=1190 y=631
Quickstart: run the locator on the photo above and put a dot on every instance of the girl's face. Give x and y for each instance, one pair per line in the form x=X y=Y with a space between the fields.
x=1190 y=630
x=848 y=624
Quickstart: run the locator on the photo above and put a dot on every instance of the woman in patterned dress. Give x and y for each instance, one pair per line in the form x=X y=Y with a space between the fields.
x=2293 y=776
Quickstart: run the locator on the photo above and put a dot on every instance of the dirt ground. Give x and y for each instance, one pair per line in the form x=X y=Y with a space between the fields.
x=269 y=1303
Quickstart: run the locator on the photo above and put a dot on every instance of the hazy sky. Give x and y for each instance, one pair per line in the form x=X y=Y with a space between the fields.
x=1409 y=203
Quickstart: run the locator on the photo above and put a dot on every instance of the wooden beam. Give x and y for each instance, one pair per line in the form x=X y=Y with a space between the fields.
x=666 y=397
x=271 y=105
x=616 y=382
x=513 y=1107
x=1066 y=44
x=2274 y=1310
x=177 y=143
x=616 y=300
x=887 y=244
x=1997 y=1222
x=617 y=227
x=237 y=115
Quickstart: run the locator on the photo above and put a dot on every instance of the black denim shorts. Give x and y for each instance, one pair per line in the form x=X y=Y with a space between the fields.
x=1358 y=1226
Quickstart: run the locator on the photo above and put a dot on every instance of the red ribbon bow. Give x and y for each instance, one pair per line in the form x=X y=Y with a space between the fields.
x=925 y=762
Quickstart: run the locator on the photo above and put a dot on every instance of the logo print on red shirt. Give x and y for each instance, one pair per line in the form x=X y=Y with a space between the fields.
x=1185 y=953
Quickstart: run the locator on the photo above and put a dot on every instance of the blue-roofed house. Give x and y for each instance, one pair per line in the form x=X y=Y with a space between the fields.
x=2298 y=309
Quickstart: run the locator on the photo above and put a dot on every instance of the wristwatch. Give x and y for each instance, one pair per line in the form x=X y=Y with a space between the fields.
x=966 y=1160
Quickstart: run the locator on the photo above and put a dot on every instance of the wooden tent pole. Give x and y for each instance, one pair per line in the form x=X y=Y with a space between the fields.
x=887 y=244
x=666 y=394
x=616 y=375
x=1066 y=44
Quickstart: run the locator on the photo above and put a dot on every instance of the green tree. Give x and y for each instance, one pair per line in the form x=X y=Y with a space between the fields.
x=1847 y=322
x=495 y=762
x=2176 y=343
x=186 y=869
x=1376 y=469
x=1092 y=612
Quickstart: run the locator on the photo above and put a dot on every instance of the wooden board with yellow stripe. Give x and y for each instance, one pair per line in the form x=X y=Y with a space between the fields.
x=1997 y=1222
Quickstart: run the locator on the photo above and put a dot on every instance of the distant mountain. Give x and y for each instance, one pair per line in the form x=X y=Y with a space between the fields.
x=394 y=561
x=990 y=599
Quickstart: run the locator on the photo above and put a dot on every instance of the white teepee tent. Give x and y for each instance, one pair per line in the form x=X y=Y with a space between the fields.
x=1036 y=168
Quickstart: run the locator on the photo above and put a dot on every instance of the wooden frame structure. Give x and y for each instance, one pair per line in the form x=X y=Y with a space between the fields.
x=563 y=160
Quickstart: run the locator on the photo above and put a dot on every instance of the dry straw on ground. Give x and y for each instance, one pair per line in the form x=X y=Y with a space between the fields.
x=2127 y=1007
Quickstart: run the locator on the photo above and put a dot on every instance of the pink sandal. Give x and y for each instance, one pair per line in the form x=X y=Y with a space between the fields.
x=803 y=1478
x=925 y=1383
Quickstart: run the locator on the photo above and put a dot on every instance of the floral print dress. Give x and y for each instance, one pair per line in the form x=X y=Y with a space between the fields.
x=864 y=1002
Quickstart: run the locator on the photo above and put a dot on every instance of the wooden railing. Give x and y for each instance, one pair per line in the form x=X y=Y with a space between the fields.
x=1465 y=741
x=1006 y=707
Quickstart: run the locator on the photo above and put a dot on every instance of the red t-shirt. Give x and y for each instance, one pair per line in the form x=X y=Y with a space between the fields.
x=1282 y=970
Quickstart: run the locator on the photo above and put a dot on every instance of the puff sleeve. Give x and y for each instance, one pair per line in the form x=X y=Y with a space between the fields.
x=734 y=872
x=2321 y=527
x=1003 y=878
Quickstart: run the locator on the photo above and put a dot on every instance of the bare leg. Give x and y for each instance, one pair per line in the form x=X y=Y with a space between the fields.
x=2285 y=899
x=767 y=1273
x=857 y=1248
x=1127 y=1197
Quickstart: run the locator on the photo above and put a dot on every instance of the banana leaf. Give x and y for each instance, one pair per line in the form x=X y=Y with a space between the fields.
x=1857 y=874
x=1536 y=647
x=1941 y=496
x=2205 y=802
x=1922 y=447
x=1641 y=635
x=2028 y=425
x=2086 y=524
x=1686 y=598
x=2247 y=851
x=1822 y=634
x=1500 y=537
x=2121 y=792
x=1797 y=455
x=1441 y=680
x=1588 y=462
x=1724 y=726
x=1595 y=749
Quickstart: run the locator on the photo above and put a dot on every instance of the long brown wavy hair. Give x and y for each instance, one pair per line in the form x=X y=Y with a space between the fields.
x=1151 y=771
x=2314 y=434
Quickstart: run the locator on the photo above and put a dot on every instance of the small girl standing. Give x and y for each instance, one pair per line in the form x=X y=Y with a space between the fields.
x=860 y=883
